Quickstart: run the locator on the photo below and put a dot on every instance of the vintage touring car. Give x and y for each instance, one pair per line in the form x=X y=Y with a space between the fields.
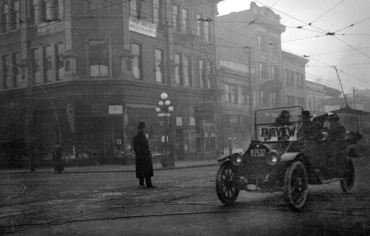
x=278 y=159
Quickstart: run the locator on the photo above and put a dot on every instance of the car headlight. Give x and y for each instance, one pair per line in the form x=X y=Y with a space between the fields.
x=272 y=158
x=236 y=159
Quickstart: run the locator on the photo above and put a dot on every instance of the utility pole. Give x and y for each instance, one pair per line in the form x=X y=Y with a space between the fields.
x=30 y=80
x=354 y=97
x=168 y=79
x=250 y=90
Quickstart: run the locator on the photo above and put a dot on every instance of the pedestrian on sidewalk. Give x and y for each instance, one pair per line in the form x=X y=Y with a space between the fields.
x=57 y=158
x=143 y=157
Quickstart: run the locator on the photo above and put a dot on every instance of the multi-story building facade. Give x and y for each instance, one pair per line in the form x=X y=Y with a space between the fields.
x=315 y=98
x=255 y=72
x=295 y=80
x=84 y=73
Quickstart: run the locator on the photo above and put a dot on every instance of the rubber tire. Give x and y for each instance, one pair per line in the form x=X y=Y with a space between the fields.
x=349 y=178
x=296 y=177
x=225 y=192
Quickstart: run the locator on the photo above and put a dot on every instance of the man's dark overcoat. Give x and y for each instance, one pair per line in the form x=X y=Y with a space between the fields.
x=143 y=156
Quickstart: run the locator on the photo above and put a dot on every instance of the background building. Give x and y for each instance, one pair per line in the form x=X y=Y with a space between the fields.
x=255 y=72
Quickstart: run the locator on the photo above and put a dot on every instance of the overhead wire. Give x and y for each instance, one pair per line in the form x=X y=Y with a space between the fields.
x=319 y=29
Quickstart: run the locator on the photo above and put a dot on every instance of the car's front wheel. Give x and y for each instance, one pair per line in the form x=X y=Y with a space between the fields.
x=348 y=181
x=296 y=185
x=225 y=189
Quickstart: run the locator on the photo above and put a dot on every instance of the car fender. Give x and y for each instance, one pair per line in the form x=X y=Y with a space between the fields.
x=289 y=156
x=225 y=158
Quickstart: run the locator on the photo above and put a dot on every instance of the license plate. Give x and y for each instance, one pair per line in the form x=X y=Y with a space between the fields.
x=258 y=152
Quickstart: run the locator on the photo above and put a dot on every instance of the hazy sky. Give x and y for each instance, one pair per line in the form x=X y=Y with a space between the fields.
x=349 y=53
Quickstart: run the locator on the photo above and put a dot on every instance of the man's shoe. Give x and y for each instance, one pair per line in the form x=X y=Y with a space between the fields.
x=151 y=186
x=142 y=186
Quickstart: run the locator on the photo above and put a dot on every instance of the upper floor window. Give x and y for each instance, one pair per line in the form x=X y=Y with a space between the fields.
x=99 y=57
x=274 y=101
x=289 y=78
x=133 y=8
x=59 y=9
x=206 y=30
x=35 y=64
x=300 y=81
x=199 y=25
x=185 y=17
x=208 y=78
x=159 y=66
x=103 y=7
x=261 y=43
x=274 y=73
x=187 y=71
x=46 y=9
x=59 y=61
x=5 y=18
x=273 y=48
x=231 y=93
x=178 y=69
x=263 y=73
x=16 y=16
x=16 y=61
x=137 y=60
x=176 y=18
x=35 y=12
x=157 y=12
x=5 y=71
x=48 y=66
x=201 y=74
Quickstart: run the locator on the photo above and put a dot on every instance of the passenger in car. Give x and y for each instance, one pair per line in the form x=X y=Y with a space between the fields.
x=283 y=118
x=306 y=129
x=320 y=130
x=336 y=131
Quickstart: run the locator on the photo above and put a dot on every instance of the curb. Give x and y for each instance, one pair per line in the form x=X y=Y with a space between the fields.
x=111 y=171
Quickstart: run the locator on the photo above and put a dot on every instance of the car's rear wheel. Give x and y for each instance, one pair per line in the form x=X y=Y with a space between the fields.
x=296 y=185
x=226 y=191
x=349 y=178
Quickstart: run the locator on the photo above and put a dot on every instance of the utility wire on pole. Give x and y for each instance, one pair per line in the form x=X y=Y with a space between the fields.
x=354 y=97
x=340 y=82
x=250 y=90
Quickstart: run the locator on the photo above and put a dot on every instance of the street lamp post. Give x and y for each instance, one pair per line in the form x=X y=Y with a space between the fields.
x=164 y=109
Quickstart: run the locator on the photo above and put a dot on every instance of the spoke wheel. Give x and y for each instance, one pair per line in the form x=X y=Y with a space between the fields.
x=224 y=186
x=349 y=178
x=296 y=184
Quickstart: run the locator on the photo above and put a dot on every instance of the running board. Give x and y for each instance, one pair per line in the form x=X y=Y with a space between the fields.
x=331 y=180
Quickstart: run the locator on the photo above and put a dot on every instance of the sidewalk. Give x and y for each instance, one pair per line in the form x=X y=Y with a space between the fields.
x=116 y=168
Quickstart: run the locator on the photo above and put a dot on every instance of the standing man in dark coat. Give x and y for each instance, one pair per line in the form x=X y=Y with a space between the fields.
x=143 y=157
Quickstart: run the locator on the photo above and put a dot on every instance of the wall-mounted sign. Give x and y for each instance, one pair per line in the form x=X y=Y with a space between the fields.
x=115 y=110
x=50 y=27
x=143 y=27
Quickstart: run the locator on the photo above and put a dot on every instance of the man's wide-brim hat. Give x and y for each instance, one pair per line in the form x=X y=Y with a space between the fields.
x=141 y=125
x=285 y=113
x=306 y=114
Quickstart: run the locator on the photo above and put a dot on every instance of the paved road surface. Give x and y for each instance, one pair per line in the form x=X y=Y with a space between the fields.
x=185 y=203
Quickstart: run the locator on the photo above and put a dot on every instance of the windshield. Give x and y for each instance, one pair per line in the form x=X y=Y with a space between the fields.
x=277 y=124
